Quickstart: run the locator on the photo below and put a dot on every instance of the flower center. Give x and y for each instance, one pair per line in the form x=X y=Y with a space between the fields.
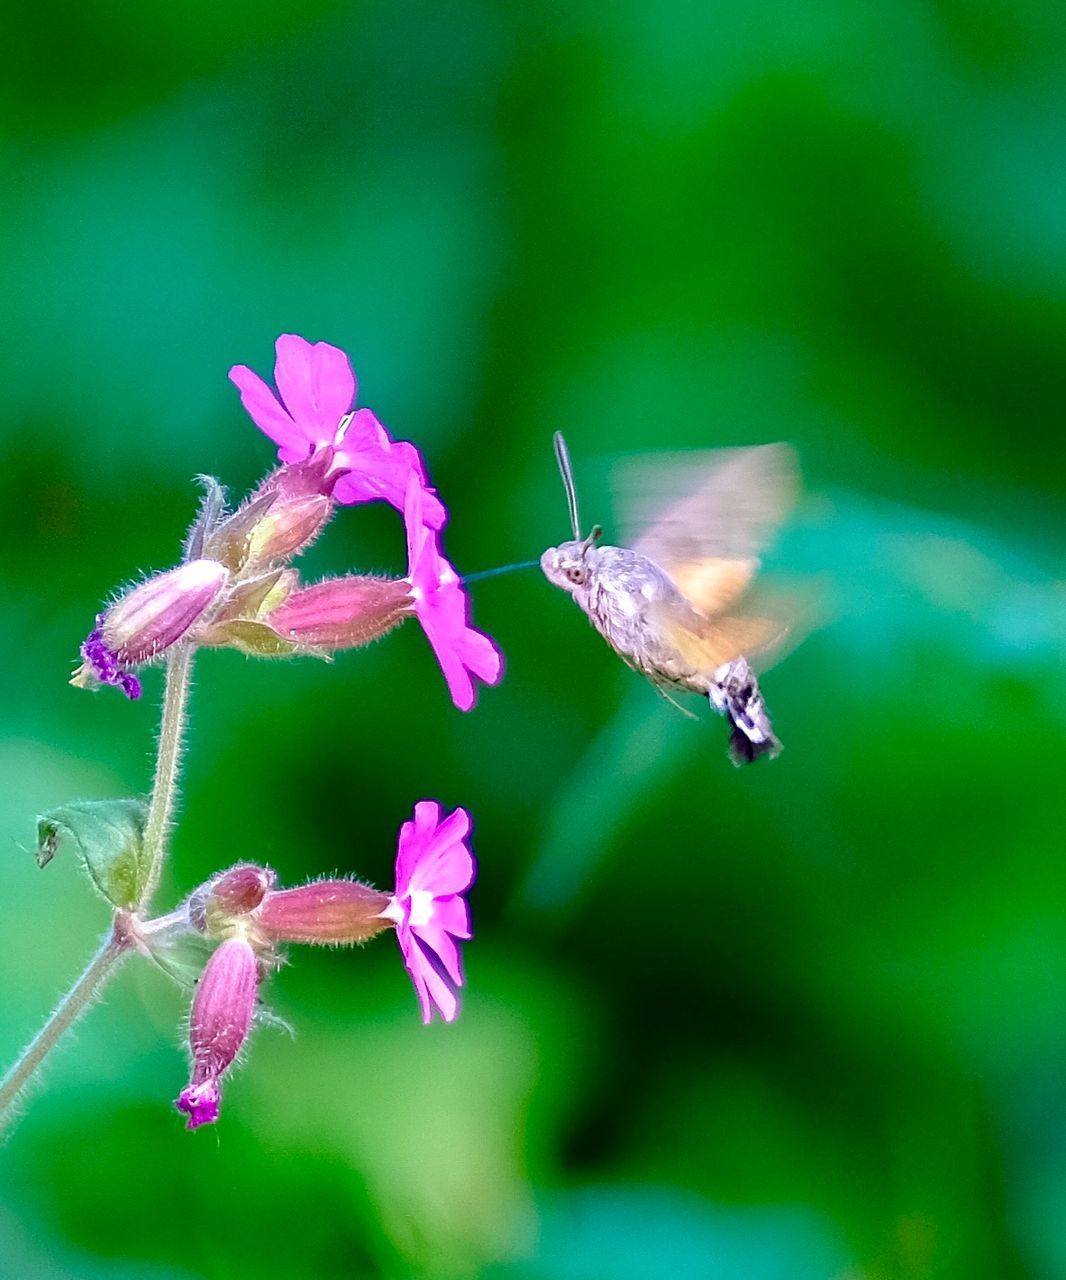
x=421 y=911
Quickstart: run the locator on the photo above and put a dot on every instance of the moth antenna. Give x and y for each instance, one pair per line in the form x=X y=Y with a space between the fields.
x=562 y=456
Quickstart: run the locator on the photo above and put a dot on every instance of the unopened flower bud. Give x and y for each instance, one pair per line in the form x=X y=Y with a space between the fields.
x=342 y=613
x=288 y=527
x=222 y=1012
x=146 y=621
x=330 y=912
x=231 y=895
x=155 y=615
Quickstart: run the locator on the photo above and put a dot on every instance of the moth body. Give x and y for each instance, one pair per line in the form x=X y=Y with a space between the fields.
x=677 y=607
x=626 y=596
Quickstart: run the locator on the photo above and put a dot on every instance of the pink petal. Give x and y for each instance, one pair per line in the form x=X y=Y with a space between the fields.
x=439 y=991
x=459 y=648
x=431 y=856
x=427 y=816
x=379 y=467
x=438 y=941
x=444 y=865
x=414 y=836
x=413 y=460
x=430 y=987
x=372 y=476
x=317 y=384
x=443 y=835
x=413 y=960
x=417 y=534
x=441 y=605
x=456 y=676
x=481 y=656
x=268 y=415
x=453 y=914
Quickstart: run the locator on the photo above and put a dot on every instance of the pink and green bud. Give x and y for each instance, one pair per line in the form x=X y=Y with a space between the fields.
x=222 y=1013
x=156 y=614
x=342 y=613
x=271 y=526
x=288 y=527
x=146 y=621
x=222 y=902
x=328 y=912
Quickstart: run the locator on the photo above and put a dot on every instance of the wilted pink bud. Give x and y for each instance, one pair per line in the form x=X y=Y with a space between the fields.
x=342 y=613
x=332 y=912
x=222 y=1012
x=147 y=621
x=232 y=894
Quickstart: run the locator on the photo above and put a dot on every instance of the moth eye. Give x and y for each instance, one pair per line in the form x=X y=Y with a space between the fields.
x=576 y=574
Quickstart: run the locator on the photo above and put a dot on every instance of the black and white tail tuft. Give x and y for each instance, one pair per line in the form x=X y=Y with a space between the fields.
x=735 y=694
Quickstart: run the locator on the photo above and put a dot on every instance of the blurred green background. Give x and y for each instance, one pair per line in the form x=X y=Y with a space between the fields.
x=800 y=1022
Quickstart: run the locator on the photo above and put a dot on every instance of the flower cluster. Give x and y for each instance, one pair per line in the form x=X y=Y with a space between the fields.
x=237 y=587
x=251 y=919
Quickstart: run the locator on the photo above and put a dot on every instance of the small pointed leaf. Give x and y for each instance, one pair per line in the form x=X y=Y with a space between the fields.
x=212 y=509
x=229 y=541
x=257 y=640
x=254 y=599
x=109 y=838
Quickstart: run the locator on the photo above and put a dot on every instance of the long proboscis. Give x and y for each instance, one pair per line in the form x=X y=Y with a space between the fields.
x=562 y=456
x=495 y=573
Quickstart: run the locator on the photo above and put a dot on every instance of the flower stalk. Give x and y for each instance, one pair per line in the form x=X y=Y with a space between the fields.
x=157 y=828
x=168 y=764
x=66 y=1013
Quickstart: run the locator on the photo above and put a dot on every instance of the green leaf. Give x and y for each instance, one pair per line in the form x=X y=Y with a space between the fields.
x=109 y=837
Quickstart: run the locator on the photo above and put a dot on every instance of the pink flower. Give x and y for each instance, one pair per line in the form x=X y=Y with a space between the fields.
x=312 y=411
x=222 y=1013
x=442 y=607
x=434 y=868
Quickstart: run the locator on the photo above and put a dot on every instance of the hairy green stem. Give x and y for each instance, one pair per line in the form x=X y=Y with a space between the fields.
x=168 y=763
x=156 y=831
x=67 y=1012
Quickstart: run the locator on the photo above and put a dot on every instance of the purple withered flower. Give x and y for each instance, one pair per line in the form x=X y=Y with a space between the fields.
x=443 y=608
x=222 y=1013
x=434 y=868
x=312 y=415
x=146 y=621
x=103 y=667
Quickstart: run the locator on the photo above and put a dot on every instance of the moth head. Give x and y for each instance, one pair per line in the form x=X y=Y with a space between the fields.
x=570 y=565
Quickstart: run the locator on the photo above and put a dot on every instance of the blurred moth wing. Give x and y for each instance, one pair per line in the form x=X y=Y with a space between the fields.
x=764 y=624
x=707 y=644
x=707 y=505
x=704 y=518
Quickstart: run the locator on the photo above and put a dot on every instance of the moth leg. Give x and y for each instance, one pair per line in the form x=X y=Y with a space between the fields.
x=663 y=692
x=734 y=692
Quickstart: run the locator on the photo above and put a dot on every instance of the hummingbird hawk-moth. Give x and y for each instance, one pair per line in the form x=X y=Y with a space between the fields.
x=679 y=606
